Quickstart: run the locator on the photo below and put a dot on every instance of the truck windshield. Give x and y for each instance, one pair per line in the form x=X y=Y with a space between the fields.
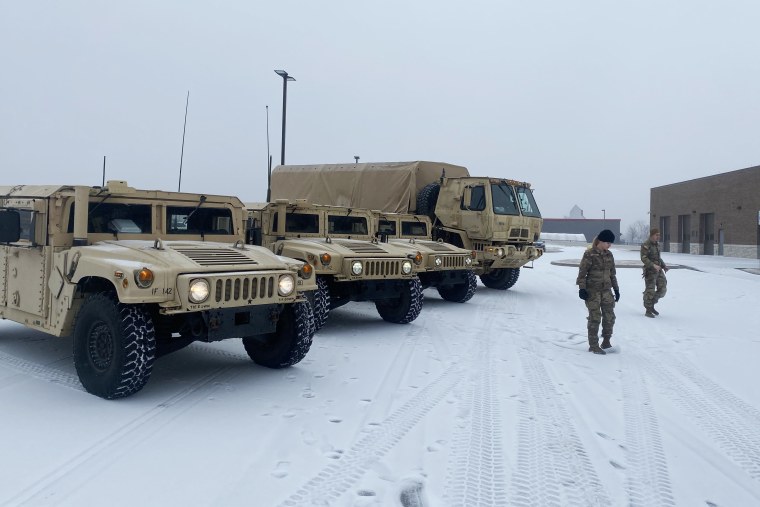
x=192 y=220
x=527 y=203
x=504 y=201
x=341 y=224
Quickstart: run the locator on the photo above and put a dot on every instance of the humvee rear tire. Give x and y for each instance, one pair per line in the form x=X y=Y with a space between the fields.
x=501 y=279
x=427 y=198
x=462 y=292
x=289 y=343
x=114 y=346
x=405 y=308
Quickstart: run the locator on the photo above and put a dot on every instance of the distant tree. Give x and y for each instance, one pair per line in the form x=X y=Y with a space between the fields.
x=637 y=232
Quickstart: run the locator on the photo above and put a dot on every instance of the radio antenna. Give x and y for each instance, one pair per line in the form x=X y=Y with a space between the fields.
x=104 y=172
x=269 y=162
x=182 y=152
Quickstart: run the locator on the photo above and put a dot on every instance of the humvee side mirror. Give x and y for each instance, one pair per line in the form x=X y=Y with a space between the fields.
x=10 y=226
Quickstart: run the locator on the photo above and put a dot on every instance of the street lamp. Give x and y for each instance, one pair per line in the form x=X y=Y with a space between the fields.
x=285 y=78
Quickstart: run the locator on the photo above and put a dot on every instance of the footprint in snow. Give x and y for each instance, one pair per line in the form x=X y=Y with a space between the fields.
x=281 y=470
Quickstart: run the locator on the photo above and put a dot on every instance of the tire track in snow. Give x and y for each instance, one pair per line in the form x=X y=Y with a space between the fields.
x=552 y=465
x=335 y=479
x=475 y=475
x=41 y=372
x=732 y=424
x=647 y=481
x=82 y=468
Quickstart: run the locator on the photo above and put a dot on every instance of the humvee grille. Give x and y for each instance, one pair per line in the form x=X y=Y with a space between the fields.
x=238 y=288
x=215 y=256
x=383 y=268
x=363 y=247
x=453 y=261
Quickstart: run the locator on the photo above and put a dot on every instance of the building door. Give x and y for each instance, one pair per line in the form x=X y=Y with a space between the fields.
x=707 y=226
x=684 y=232
x=665 y=231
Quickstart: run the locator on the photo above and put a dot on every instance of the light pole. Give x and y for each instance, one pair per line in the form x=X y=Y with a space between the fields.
x=285 y=78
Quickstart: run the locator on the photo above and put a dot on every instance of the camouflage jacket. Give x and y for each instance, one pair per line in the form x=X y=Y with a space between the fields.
x=650 y=255
x=597 y=270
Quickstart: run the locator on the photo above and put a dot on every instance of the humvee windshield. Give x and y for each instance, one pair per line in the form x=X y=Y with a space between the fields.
x=339 y=224
x=387 y=227
x=304 y=223
x=414 y=229
x=193 y=220
x=111 y=218
x=527 y=203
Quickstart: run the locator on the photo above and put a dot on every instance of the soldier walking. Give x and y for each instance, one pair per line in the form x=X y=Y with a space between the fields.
x=596 y=282
x=655 y=283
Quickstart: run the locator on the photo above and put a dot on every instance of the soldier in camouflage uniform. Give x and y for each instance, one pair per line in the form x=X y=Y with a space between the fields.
x=655 y=283
x=596 y=282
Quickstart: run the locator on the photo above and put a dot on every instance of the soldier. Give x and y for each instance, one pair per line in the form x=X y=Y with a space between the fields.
x=596 y=276
x=655 y=283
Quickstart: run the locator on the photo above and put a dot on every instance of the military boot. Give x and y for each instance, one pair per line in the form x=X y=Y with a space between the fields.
x=606 y=342
x=649 y=311
x=654 y=311
x=593 y=346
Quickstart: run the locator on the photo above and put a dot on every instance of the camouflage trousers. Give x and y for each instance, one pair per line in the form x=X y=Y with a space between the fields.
x=655 y=287
x=601 y=310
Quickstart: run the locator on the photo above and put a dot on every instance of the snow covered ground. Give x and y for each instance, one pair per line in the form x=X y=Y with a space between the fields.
x=493 y=402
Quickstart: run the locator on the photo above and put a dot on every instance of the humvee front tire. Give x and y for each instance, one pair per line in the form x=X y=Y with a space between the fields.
x=321 y=303
x=114 y=347
x=500 y=279
x=289 y=343
x=461 y=292
x=406 y=307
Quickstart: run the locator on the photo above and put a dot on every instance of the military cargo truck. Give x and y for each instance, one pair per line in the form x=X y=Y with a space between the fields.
x=447 y=268
x=497 y=218
x=349 y=264
x=133 y=274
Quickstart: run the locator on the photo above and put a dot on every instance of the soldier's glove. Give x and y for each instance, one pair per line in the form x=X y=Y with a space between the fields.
x=583 y=294
x=617 y=295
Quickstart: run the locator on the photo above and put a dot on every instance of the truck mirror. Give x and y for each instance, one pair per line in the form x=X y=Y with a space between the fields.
x=467 y=197
x=10 y=226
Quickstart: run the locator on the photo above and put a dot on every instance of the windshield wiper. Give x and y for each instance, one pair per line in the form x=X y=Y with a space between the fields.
x=203 y=199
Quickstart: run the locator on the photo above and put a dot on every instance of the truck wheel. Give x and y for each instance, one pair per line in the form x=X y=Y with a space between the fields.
x=114 y=347
x=321 y=303
x=426 y=200
x=406 y=307
x=289 y=343
x=461 y=292
x=500 y=279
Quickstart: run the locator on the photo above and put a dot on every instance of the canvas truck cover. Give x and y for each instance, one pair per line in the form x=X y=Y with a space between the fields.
x=387 y=186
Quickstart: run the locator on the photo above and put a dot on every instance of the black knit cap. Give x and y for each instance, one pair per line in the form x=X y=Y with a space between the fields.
x=607 y=236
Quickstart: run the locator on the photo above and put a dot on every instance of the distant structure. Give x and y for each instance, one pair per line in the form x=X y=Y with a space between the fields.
x=713 y=215
x=576 y=223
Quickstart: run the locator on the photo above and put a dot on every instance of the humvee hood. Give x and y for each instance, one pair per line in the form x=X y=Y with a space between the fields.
x=194 y=256
x=348 y=247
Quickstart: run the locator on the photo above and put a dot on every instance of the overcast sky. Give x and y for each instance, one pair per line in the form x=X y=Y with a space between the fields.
x=593 y=102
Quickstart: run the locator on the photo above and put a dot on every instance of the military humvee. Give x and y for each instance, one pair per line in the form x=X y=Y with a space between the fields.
x=133 y=274
x=497 y=218
x=349 y=264
x=447 y=268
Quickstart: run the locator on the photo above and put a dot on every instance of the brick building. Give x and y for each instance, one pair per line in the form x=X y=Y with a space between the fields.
x=714 y=215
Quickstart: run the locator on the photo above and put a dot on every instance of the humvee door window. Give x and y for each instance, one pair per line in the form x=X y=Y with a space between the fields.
x=504 y=202
x=193 y=220
x=527 y=203
x=477 y=199
x=341 y=224
x=116 y=218
x=387 y=227
x=414 y=229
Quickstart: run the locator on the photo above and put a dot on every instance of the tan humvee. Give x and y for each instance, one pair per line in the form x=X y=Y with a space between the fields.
x=497 y=218
x=448 y=268
x=133 y=274
x=349 y=263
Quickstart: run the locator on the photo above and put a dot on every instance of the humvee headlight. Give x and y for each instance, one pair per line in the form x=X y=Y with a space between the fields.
x=286 y=285
x=406 y=267
x=356 y=268
x=468 y=261
x=144 y=278
x=325 y=259
x=199 y=291
x=306 y=271
x=438 y=262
